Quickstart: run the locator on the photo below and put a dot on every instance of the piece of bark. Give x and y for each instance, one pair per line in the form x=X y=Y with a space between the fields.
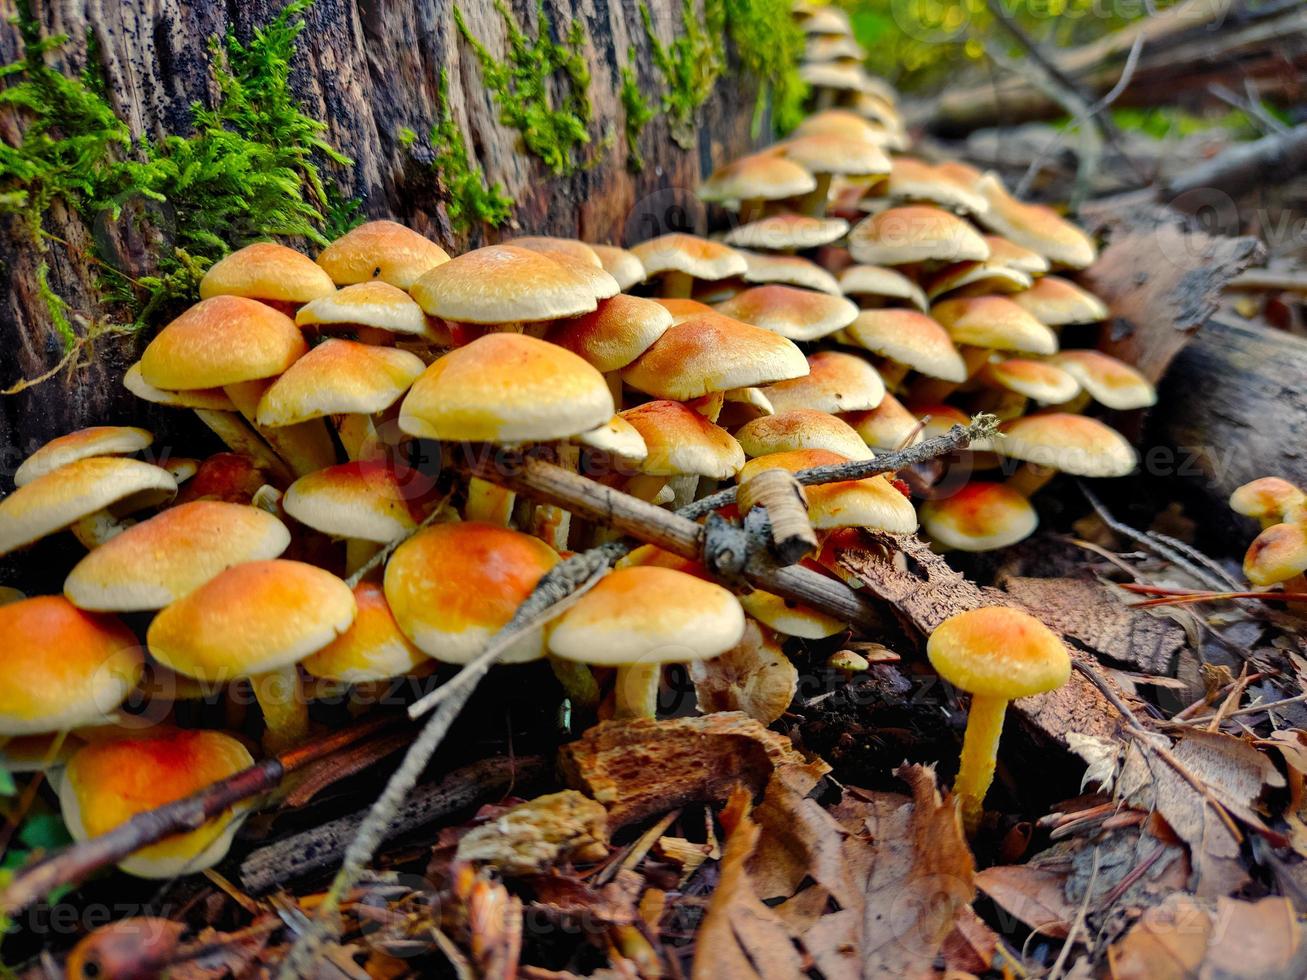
x=1161 y=277
x=532 y=837
x=1089 y=614
x=924 y=591
x=642 y=767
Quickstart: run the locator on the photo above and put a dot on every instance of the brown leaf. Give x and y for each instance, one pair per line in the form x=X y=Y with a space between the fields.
x=1188 y=939
x=568 y=900
x=740 y=937
x=755 y=677
x=971 y=946
x=535 y=835
x=641 y=767
x=1036 y=896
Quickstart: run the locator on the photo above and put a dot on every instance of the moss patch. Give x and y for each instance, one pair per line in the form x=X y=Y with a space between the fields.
x=690 y=65
x=770 y=46
x=521 y=85
x=637 y=111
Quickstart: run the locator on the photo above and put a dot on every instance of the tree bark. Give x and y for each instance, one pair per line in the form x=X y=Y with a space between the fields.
x=367 y=68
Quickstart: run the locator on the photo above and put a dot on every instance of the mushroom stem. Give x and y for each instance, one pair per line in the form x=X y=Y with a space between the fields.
x=677 y=285
x=358 y=553
x=488 y=503
x=240 y=438
x=358 y=435
x=979 y=757
x=95 y=529
x=1003 y=402
x=578 y=682
x=1077 y=404
x=637 y=691
x=1030 y=478
x=305 y=446
x=285 y=711
x=936 y=389
x=814 y=202
x=892 y=373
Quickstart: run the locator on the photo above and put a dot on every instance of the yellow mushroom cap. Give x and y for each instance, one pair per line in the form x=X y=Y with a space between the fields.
x=617 y=437
x=506 y=388
x=971 y=278
x=158 y=561
x=789 y=617
x=910 y=338
x=801 y=428
x=381 y=250
x=620 y=263
x=788 y=270
x=453 y=586
x=63 y=496
x=572 y=249
x=682 y=308
x=372 y=649
x=1109 y=382
x=213 y=399
x=871 y=502
x=615 y=334
x=589 y=268
x=915 y=180
x=503 y=284
x=339 y=377
x=994 y=322
x=760 y=177
x=62 y=667
x=646 y=614
x=840 y=122
x=1000 y=652
x=875 y=280
x=221 y=341
x=835 y=382
x=979 y=517
x=371 y=500
x=681 y=442
x=887 y=427
x=1058 y=302
x=1276 y=555
x=787 y=231
x=1269 y=497
x=374 y=304
x=108 y=783
x=1068 y=443
x=1034 y=226
x=251 y=619
x=710 y=352
x=99 y=440
x=1044 y=382
x=915 y=233
x=799 y=314
x=1012 y=255
x=267 y=271
x=826 y=153
x=697 y=257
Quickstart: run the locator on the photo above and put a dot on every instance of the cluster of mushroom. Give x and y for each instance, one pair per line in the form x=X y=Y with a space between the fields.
x=663 y=370
x=1278 y=555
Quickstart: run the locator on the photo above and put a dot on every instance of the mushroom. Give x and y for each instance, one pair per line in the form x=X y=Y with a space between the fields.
x=681 y=446
x=848 y=663
x=1034 y=226
x=237 y=344
x=869 y=502
x=158 y=561
x=375 y=312
x=106 y=784
x=790 y=617
x=887 y=427
x=909 y=341
x=503 y=288
x=787 y=270
x=381 y=250
x=913 y=181
x=63 y=668
x=873 y=284
x=835 y=382
x=1015 y=382
x=1055 y=442
x=827 y=155
x=1277 y=555
x=979 y=517
x=1270 y=500
x=752 y=183
x=78 y=496
x=915 y=233
x=615 y=334
x=256 y=620
x=681 y=259
x=1106 y=380
x=271 y=273
x=1058 y=302
x=798 y=314
x=639 y=618
x=801 y=428
x=99 y=440
x=996 y=654
x=787 y=233
x=842 y=122
x=341 y=378
x=754 y=676
x=620 y=263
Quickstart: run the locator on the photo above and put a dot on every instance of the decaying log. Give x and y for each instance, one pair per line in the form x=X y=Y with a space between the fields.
x=369 y=71
x=1243 y=167
x=924 y=591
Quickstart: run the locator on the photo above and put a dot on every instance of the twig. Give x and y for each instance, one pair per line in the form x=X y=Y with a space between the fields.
x=74 y=863
x=1077 y=924
x=387 y=550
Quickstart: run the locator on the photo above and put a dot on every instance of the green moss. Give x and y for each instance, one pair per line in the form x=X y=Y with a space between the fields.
x=469 y=197
x=55 y=306
x=637 y=111
x=522 y=84
x=690 y=65
x=770 y=46
x=248 y=171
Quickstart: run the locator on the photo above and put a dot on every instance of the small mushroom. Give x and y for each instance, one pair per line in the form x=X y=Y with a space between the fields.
x=1270 y=500
x=381 y=250
x=682 y=259
x=996 y=654
x=979 y=517
x=270 y=273
x=848 y=663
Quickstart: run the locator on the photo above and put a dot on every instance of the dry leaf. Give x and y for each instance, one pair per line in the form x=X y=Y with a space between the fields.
x=755 y=677
x=533 y=836
x=1036 y=896
x=1188 y=939
x=641 y=767
x=740 y=937
x=971 y=946
x=1102 y=757
x=570 y=901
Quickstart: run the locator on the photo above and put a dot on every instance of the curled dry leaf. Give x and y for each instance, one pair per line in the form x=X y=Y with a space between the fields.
x=755 y=677
x=1102 y=757
x=1186 y=938
x=641 y=767
x=573 y=903
x=534 y=836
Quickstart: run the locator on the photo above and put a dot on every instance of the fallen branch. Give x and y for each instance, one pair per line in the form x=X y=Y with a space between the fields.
x=1240 y=168
x=75 y=863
